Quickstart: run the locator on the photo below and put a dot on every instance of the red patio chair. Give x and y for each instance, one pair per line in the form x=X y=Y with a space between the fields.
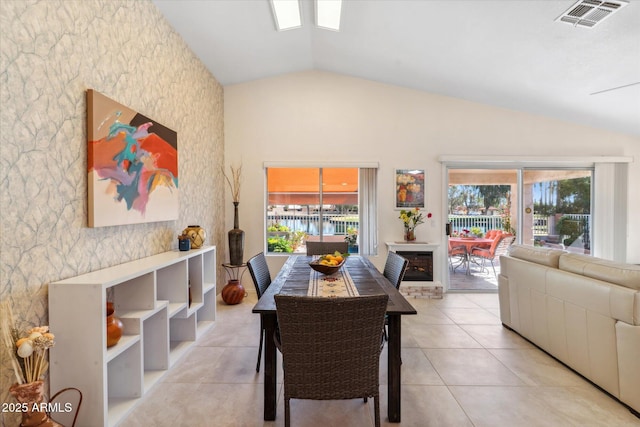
x=498 y=247
x=459 y=252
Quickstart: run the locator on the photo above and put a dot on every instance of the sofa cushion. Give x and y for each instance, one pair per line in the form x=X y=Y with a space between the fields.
x=627 y=275
x=543 y=256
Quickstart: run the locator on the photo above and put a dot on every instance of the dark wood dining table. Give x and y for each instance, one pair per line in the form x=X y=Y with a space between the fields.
x=469 y=243
x=293 y=279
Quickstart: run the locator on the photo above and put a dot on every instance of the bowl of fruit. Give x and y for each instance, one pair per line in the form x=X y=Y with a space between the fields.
x=329 y=263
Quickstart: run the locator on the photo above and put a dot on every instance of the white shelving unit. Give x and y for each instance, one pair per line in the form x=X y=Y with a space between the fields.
x=151 y=297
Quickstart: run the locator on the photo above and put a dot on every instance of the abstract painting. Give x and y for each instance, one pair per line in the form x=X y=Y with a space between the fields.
x=409 y=191
x=132 y=164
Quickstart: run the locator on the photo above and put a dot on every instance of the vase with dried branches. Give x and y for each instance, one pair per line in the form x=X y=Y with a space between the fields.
x=236 y=235
x=27 y=351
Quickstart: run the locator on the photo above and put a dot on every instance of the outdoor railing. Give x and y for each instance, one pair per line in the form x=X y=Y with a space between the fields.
x=332 y=223
x=483 y=222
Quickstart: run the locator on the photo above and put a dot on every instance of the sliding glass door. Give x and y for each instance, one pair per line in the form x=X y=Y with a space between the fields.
x=549 y=207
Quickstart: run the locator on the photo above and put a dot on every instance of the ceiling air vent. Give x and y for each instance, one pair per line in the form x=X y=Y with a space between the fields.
x=589 y=13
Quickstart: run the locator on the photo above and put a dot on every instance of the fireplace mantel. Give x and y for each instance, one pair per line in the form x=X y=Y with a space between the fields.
x=412 y=246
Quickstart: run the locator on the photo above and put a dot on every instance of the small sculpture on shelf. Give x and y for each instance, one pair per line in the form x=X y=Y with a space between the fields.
x=196 y=234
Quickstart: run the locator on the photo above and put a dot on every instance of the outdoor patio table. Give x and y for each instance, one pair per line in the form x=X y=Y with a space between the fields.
x=293 y=279
x=470 y=243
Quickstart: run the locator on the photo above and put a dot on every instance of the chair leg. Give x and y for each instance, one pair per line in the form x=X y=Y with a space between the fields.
x=494 y=269
x=287 y=413
x=376 y=410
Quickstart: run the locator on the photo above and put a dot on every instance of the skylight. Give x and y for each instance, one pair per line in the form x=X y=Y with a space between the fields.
x=328 y=14
x=287 y=14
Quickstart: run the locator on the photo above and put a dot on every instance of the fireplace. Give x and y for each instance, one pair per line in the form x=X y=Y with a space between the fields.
x=420 y=268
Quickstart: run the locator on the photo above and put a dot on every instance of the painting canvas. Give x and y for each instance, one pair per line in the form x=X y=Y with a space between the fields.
x=409 y=191
x=132 y=164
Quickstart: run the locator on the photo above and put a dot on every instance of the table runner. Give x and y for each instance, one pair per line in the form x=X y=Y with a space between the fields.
x=338 y=284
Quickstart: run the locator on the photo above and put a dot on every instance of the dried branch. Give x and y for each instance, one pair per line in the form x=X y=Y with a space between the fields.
x=236 y=174
x=8 y=337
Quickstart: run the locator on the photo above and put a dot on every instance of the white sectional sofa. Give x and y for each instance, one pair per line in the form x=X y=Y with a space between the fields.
x=584 y=311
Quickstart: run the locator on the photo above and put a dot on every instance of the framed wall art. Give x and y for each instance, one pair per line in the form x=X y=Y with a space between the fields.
x=132 y=164
x=409 y=188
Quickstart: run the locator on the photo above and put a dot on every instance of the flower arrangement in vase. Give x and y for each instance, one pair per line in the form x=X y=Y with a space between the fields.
x=352 y=239
x=411 y=219
x=352 y=236
x=27 y=354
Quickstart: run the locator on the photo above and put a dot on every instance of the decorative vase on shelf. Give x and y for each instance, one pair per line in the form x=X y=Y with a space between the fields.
x=31 y=396
x=409 y=234
x=114 y=326
x=236 y=239
x=196 y=234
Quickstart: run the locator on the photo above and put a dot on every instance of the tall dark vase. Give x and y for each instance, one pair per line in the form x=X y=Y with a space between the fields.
x=236 y=239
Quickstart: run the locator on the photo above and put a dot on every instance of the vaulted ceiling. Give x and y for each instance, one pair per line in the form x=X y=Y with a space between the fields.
x=509 y=54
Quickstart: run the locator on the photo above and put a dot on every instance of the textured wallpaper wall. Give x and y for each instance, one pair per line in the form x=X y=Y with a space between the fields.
x=51 y=53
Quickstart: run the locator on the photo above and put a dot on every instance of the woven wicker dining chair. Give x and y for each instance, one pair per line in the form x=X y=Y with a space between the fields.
x=322 y=248
x=261 y=280
x=394 y=269
x=330 y=348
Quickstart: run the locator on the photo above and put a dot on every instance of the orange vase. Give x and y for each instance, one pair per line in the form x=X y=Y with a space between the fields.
x=114 y=326
x=233 y=292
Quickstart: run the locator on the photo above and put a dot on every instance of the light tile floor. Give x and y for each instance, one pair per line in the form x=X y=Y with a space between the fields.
x=460 y=368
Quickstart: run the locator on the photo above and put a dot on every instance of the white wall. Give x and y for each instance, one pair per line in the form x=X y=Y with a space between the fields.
x=320 y=116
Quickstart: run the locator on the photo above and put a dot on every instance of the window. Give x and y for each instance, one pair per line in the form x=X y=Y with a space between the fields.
x=319 y=204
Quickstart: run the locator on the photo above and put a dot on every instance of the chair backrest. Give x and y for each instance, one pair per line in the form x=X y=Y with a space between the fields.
x=259 y=273
x=496 y=241
x=503 y=247
x=492 y=234
x=331 y=346
x=455 y=250
x=321 y=248
x=394 y=268
x=65 y=406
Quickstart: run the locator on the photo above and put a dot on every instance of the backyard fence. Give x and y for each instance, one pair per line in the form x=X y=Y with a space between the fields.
x=483 y=222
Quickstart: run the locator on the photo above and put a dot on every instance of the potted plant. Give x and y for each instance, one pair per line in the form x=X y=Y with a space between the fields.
x=352 y=239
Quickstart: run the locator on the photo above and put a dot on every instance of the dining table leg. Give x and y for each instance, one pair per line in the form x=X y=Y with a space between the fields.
x=393 y=369
x=270 y=368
